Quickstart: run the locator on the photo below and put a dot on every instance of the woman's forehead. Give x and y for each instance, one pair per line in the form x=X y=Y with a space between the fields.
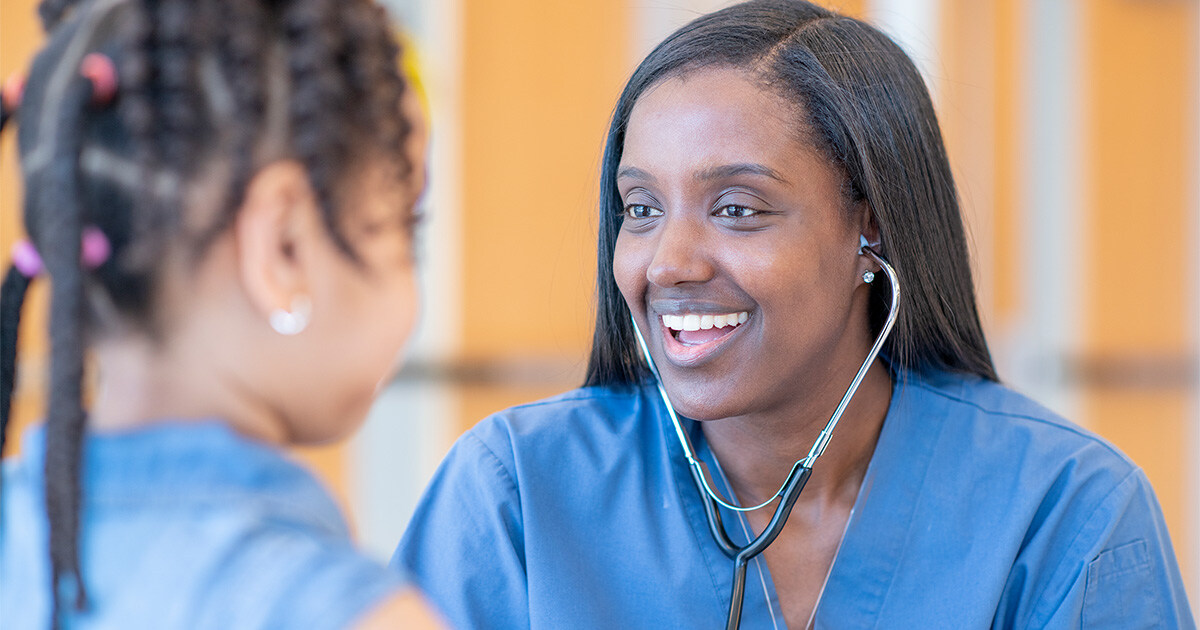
x=714 y=118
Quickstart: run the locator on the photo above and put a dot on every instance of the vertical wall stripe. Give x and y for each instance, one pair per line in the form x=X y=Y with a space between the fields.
x=968 y=115
x=1010 y=85
x=915 y=25
x=651 y=21
x=433 y=31
x=1052 y=270
x=395 y=454
x=1194 y=456
x=414 y=422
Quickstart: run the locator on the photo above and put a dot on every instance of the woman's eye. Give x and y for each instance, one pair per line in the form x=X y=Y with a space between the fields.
x=638 y=211
x=736 y=212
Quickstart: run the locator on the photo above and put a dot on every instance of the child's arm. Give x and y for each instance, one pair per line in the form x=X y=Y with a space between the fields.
x=403 y=610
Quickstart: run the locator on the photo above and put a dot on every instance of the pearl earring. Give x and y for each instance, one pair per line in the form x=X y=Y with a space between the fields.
x=294 y=321
x=868 y=276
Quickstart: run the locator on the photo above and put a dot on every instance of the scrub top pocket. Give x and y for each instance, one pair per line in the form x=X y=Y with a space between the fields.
x=1121 y=591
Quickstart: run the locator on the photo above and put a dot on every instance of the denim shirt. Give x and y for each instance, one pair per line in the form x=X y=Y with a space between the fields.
x=187 y=525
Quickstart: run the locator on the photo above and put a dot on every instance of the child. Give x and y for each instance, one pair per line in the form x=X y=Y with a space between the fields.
x=222 y=195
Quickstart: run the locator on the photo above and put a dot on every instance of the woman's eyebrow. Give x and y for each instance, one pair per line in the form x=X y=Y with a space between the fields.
x=732 y=170
x=635 y=173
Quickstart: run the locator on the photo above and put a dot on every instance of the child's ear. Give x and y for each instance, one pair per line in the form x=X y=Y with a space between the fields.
x=275 y=232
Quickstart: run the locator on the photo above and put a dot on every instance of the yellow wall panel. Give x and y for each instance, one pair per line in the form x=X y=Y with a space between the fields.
x=540 y=78
x=1141 y=81
x=1139 y=330
x=20 y=35
x=981 y=44
x=1009 y=187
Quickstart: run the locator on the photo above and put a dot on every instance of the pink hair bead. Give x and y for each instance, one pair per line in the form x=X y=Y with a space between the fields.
x=26 y=259
x=95 y=248
x=94 y=251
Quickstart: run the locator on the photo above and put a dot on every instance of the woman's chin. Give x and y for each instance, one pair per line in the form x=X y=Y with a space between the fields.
x=707 y=399
x=704 y=410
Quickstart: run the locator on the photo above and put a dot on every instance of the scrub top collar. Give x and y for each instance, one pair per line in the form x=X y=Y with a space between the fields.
x=869 y=555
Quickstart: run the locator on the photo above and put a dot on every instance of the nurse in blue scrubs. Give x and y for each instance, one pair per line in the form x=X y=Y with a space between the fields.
x=749 y=156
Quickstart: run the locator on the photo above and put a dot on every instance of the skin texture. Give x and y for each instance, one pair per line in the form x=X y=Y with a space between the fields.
x=217 y=355
x=704 y=233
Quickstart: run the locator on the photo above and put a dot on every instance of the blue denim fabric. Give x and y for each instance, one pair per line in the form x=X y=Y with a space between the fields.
x=187 y=525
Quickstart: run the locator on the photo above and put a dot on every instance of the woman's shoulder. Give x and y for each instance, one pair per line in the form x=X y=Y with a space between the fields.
x=1062 y=510
x=590 y=419
x=994 y=418
x=583 y=403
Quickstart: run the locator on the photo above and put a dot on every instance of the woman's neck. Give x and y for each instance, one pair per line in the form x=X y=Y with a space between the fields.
x=756 y=452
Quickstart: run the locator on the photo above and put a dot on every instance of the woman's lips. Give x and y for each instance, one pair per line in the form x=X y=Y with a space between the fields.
x=690 y=338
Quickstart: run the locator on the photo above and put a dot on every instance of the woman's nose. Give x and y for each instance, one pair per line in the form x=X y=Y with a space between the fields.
x=681 y=254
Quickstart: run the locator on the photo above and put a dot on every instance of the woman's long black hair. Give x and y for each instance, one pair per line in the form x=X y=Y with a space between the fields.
x=866 y=107
x=207 y=92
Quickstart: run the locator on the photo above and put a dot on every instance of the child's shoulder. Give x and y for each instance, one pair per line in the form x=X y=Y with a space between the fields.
x=205 y=528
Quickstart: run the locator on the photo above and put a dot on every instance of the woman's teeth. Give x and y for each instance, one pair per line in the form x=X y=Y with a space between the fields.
x=703 y=322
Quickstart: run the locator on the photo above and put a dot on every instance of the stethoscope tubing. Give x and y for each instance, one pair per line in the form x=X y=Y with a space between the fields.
x=790 y=491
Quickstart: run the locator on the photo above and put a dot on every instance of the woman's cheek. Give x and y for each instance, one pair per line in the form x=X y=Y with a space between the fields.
x=628 y=272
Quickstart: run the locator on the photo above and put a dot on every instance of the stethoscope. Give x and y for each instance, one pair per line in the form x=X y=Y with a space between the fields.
x=801 y=470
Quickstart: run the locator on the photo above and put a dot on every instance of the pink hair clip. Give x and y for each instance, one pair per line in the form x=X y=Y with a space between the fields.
x=13 y=89
x=99 y=69
x=94 y=250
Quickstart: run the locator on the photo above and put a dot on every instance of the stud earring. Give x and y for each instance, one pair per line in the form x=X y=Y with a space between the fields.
x=868 y=276
x=294 y=321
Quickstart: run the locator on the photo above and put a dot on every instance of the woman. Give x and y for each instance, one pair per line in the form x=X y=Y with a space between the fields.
x=223 y=194
x=756 y=162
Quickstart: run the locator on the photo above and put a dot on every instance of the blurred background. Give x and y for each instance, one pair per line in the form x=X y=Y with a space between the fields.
x=1072 y=125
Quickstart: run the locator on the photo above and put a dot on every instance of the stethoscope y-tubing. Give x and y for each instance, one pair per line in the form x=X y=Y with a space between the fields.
x=790 y=491
x=742 y=555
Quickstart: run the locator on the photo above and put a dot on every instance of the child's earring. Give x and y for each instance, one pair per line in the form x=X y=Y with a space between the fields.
x=294 y=321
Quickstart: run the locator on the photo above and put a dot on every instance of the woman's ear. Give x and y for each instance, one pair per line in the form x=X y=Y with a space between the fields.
x=867 y=227
x=276 y=232
x=868 y=231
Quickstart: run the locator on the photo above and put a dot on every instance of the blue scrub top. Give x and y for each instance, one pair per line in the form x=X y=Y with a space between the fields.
x=187 y=525
x=979 y=509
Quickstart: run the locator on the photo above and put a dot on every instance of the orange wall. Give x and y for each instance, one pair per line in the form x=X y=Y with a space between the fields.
x=1134 y=375
x=1141 y=125
x=539 y=81
x=20 y=35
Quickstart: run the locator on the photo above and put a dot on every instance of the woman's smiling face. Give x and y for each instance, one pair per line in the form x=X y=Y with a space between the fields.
x=738 y=227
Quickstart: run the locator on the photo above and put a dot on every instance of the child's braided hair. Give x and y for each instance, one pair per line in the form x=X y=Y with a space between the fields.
x=209 y=91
